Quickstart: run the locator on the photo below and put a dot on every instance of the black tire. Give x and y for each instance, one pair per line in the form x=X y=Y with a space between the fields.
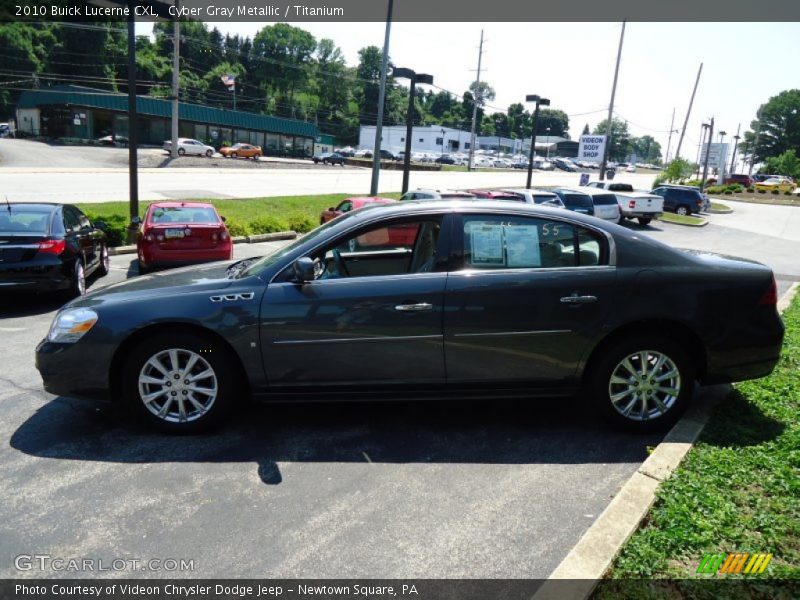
x=683 y=209
x=609 y=363
x=234 y=155
x=209 y=153
x=181 y=151
x=143 y=270
x=643 y=221
x=78 y=281
x=210 y=357
x=105 y=262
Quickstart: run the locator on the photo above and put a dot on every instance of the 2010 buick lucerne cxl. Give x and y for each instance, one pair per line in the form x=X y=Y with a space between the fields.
x=474 y=299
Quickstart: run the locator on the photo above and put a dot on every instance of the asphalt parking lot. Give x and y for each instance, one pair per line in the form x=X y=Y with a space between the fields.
x=495 y=490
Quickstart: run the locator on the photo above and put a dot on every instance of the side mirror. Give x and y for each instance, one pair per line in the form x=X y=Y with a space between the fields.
x=101 y=225
x=304 y=269
x=223 y=218
x=331 y=209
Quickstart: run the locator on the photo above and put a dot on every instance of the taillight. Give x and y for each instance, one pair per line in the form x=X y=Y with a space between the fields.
x=770 y=297
x=148 y=237
x=223 y=235
x=632 y=204
x=52 y=246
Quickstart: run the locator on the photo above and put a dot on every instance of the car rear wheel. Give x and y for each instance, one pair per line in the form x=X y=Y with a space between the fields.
x=181 y=151
x=234 y=155
x=641 y=383
x=78 y=287
x=644 y=221
x=210 y=153
x=105 y=262
x=179 y=383
x=683 y=210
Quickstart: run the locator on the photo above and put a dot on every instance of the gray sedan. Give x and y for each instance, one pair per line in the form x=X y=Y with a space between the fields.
x=430 y=300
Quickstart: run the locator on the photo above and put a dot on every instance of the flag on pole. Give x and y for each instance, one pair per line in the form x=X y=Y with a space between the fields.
x=228 y=80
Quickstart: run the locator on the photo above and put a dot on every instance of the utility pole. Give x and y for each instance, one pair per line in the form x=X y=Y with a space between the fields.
x=736 y=139
x=611 y=107
x=133 y=130
x=755 y=142
x=376 y=155
x=708 y=153
x=471 y=165
x=688 y=112
x=702 y=141
x=671 y=131
x=176 y=67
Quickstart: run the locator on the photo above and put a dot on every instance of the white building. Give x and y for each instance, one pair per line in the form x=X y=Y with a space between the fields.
x=431 y=139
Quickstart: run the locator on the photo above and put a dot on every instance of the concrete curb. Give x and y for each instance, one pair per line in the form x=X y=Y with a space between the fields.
x=592 y=556
x=242 y=239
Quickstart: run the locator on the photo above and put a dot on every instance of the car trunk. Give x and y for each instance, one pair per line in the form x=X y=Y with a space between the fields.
x=202 y=237
x=18 y=248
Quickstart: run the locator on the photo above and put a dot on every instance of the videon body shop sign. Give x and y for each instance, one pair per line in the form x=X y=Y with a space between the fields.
x=591 y=148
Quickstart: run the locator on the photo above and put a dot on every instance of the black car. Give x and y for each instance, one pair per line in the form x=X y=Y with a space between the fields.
x=431 y=300
x=330 y=158
x=386 y=155
x=576 y=201
x=47 y=247
x=682 y=200
x=445 y=159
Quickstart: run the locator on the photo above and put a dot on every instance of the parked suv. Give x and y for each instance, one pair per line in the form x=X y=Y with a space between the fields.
x=682 y=200
x=575 y=200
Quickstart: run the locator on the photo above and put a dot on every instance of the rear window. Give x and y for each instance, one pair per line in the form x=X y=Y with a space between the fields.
x=24 y=221
x=577 y=200
x=184 y=214
x=620 y=187
x=508 y=197
x=604 y=199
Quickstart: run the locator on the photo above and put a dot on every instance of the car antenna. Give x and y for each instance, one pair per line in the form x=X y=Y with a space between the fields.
x=8 y=204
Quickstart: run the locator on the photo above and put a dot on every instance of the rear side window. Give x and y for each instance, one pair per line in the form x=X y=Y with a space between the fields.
x=604 y=199
x=577 y=200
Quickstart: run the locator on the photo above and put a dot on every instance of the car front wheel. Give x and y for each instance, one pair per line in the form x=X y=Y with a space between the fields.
x=683 y=210
x=179 y=383
x=644 y=221
x=181 y=151
x=210 y=153
x=78 y=286
x=641 y=383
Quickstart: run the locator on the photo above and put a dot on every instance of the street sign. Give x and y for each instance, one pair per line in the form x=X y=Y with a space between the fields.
x=717 y=155
x=591 y=148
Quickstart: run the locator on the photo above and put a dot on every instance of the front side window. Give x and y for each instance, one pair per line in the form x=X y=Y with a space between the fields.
x=398 y=248
x=346 y=206
x=512 y=242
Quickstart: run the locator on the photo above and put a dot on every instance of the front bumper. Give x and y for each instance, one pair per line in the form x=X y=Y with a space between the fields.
x=66 y=370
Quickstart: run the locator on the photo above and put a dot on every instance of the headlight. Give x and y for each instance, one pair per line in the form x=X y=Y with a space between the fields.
x=70 y=325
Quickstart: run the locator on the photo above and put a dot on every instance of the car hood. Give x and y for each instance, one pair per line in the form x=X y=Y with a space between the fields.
x=209 y=277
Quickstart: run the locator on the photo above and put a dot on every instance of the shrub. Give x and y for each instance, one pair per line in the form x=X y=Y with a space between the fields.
x=728 y=192
x=751 y=189
x=267 y=224
x=116 y=227
x=776 y=192
x=736 y=188
x=762 y=191
x=787 y=193
x=237 y=229
x=301 y=223
x=716 y=189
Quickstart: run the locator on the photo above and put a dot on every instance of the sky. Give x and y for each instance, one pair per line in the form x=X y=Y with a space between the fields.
x=572 y=64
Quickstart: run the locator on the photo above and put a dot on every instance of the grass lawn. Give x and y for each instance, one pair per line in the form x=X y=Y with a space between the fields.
x=738 y=490
x=681 y=219
x=244 y=216
x=755 y=198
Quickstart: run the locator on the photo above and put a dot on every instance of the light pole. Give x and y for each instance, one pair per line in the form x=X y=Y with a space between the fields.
x=721 y=166
x=497 y=131
x=414 y=78
x=442 y=154
x=708 y=152
x=539 y=102
x=548 y=142
x=736 y=139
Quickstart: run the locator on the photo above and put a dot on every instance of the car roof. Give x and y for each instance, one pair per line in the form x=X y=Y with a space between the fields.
x=174 y=204
x=537 y=191
x=376 y=199
x=592 y=191
x=578 y=191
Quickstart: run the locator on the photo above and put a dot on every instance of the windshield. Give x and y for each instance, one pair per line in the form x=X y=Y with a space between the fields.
x=184 y=214
x=259 y=266
x=542 y=199
x=24 y=221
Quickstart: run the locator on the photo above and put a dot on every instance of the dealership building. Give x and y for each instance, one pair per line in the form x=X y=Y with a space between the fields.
x=73 y=112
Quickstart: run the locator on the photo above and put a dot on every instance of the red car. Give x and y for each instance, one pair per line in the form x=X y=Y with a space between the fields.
x=349 y=204
x=492 y=195
x=181 y=233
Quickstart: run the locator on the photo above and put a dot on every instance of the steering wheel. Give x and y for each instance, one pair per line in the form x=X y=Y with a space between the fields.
x=340 y=266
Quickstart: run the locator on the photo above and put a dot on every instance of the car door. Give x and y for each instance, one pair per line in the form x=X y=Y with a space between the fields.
x=90 y=240
x=373 y=314
x=529 y=297
x=80 y=245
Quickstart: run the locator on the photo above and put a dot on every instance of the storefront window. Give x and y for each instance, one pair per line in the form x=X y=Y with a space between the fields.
x=185 y=130
x=272 y=143
x=200 y=132
x=307 y=146
x=287 y=144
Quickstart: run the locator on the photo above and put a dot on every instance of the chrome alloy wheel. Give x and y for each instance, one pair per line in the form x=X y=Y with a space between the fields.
x=644 y=385
x=105 y=260
x=178 y=385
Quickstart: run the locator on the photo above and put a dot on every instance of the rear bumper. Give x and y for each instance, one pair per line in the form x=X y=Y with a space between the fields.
x=641 y=215
x=742 y=372
x=159 y=257
x=33 y=277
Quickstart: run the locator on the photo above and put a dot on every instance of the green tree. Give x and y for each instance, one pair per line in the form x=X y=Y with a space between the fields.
x=555 y=120
x=620 y=136
x=481 y=91
x=678 y=170
x=787 y=164
x=778 y=124
x=646 y=148
x=586 y=130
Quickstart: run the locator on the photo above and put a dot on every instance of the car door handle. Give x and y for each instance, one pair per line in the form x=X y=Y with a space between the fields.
x=416 y=307
x=576 y=299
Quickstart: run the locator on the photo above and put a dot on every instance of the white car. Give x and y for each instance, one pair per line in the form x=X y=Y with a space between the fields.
x=190 y=146
x=429 y=194
x=536 y=196
x=606 y=206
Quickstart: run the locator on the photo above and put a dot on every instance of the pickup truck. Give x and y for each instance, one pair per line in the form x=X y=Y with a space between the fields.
x=632 y=204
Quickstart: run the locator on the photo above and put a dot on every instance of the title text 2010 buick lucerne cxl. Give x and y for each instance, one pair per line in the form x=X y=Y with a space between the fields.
x=426 y=300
